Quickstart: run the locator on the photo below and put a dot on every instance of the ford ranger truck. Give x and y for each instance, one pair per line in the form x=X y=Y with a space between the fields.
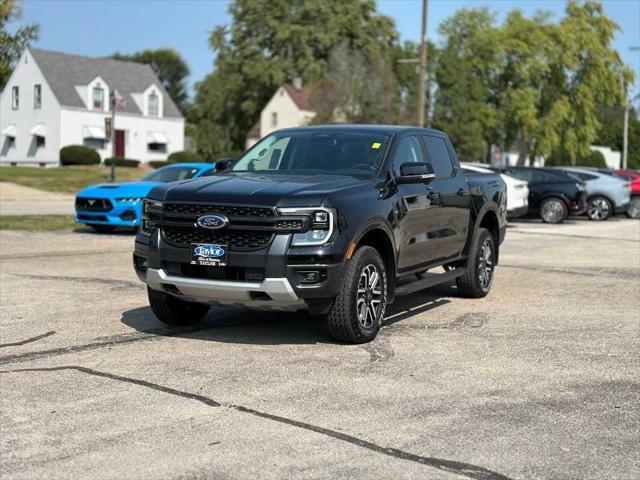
x=334 y=220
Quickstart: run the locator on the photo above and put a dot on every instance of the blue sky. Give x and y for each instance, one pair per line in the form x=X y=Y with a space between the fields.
x=101 y=27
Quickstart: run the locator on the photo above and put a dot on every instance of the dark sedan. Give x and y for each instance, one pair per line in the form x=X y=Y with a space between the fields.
x=552 y=196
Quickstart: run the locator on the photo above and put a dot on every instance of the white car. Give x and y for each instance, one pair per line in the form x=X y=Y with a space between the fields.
x=517 y=190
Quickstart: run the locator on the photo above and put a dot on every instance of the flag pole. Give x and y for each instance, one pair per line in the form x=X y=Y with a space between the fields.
x=113 y=136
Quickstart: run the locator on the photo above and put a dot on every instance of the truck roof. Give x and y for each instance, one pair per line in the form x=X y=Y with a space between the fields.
x=363 y=128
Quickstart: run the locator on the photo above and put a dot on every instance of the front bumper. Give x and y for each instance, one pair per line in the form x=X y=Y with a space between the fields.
x=268 y=278
x=123 y=214
x=518 y=212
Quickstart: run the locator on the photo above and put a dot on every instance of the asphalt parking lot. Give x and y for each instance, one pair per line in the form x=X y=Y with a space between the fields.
x=539 y=380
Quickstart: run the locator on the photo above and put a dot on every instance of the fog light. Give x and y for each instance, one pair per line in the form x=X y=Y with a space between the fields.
x=311 y=276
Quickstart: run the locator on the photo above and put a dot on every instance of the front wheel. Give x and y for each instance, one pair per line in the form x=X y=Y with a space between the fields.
x=634 y=207
x=599 y=208
x=357 y=312
x=173 y=311
x=477 y=280
x=553 y=210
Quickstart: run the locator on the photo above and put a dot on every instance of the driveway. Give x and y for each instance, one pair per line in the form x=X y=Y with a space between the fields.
x=538 y=380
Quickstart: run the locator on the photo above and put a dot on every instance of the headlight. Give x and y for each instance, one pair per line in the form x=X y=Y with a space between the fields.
x=322 y=225
x=151 y=213
x=128 y=200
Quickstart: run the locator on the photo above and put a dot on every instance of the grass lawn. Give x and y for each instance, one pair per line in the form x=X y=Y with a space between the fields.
x=67 y=179
x=37 y=223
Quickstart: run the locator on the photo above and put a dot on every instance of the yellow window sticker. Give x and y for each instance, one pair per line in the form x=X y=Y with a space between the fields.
x=376 y=145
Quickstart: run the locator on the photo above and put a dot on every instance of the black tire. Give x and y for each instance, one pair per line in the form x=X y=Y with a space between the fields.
x=360 y=295
x=103 y=228
x=173 y=311
x=599 y=208
x=634 y=207
x=553 y=210
x=473 y=284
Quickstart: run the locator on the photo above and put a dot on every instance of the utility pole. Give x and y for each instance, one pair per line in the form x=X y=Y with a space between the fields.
x=422 y=75
x=625 y=135
x=625 y=131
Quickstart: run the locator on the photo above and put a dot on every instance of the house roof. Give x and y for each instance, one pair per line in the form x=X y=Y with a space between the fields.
x=64 y=72
x=300 y=97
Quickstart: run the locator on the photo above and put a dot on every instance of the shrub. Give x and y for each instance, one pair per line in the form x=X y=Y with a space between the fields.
x=594 y=159
x=78 y=155
x=122 y=162
x=158 y=163
x=185 y=157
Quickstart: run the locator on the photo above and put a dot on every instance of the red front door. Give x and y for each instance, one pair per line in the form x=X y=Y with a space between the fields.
x=120 y=143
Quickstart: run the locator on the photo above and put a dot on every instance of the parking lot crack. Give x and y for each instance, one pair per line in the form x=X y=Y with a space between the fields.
x=28 y=340
x=451 y=466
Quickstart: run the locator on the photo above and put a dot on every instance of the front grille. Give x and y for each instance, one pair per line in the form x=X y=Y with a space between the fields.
x=234 y=239
x=236 y=274
x=94 y=204
x=229 y=210
x=97 y=218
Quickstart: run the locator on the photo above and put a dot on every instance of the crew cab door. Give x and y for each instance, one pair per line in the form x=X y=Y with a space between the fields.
x=449 y=198
x=415 y=217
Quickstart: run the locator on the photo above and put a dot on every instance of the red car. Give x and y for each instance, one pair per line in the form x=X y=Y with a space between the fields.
x=634 y=180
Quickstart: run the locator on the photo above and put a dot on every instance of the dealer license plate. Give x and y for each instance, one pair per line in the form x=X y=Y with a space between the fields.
x=208 y=254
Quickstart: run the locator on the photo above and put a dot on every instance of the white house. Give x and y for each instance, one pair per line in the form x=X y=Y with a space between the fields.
x=289 y=107
x=55 y=99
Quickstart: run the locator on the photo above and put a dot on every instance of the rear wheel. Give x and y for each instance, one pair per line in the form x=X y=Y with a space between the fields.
x=477 y=280
x=103 y=228
x=553 y=210
x=173 y=311
x=599 y=208
x=634 y=207
x=357 y=312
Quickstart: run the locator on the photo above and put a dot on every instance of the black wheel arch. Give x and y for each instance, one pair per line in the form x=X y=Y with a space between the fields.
x=487 y=218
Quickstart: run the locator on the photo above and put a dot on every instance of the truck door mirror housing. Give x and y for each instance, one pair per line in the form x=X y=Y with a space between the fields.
x=223 y=164
x=413 y=172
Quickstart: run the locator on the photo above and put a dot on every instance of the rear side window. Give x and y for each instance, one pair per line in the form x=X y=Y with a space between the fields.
x=439 y=156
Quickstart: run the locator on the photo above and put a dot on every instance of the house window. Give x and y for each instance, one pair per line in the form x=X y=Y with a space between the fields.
x=98 y=98
x=40 y=142
x=153 y=105
x=15 y=98
x=157 y=147
x=274 y=119
x=37 y=96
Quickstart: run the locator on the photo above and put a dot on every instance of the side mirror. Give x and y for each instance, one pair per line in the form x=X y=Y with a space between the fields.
x=413 y=172
x=223 y=163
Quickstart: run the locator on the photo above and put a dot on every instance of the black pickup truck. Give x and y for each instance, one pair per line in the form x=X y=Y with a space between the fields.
x=334 y=220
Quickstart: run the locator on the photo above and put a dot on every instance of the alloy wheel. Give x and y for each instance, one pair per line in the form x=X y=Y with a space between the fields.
x=485 y=264
x=634 y=208
x=599 y=209
x=552 y=211
x=369 y=300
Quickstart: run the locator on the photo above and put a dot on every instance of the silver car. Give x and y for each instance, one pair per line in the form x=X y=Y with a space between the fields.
x=606 y=194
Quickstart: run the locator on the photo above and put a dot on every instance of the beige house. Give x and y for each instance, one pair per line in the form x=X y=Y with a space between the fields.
x=289 y=107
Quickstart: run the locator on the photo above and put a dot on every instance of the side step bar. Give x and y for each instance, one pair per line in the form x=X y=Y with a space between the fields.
x=428 y=280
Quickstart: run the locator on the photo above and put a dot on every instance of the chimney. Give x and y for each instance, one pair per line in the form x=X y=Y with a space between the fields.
x=297 y=83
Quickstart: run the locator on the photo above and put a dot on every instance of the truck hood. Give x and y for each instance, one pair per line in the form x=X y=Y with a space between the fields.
x=259 y=189
x=118 y=190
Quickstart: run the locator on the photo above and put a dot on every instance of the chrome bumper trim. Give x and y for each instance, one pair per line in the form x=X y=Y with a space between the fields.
x=225 y=292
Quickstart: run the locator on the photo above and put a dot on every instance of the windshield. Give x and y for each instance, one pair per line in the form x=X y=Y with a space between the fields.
x=171 y=174
x=304 y=152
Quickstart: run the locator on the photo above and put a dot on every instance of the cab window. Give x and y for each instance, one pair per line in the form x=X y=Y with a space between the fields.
x=407 y=151
x=439 y=156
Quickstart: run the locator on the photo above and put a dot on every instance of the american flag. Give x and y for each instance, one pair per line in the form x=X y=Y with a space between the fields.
x=118 y=99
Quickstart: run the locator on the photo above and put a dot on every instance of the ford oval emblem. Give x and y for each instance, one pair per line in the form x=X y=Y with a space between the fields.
x=212 y=222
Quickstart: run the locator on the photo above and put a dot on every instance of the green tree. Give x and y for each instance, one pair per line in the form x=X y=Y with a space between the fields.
x=610 y=134
x=171 y=69
x=465 y=72
x=268 y=43
x=12 y=46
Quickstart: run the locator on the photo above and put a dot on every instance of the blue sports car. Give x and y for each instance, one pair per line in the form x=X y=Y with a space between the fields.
x=109 y=205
